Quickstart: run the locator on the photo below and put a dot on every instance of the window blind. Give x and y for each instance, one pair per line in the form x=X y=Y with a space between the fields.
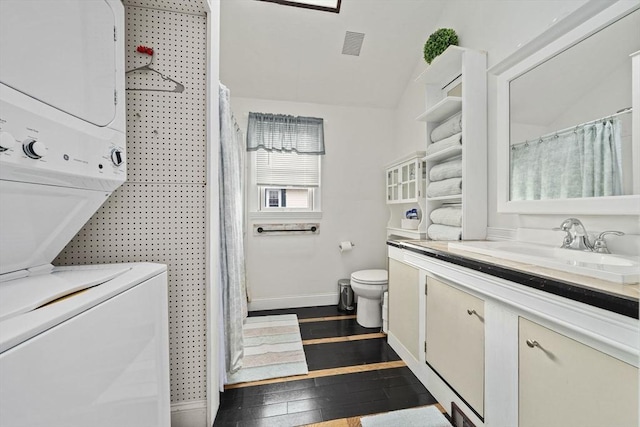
x=287 y=169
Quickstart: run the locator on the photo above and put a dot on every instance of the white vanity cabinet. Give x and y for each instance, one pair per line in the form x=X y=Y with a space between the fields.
x=564 y=382
x=456 y=82
x=455 y=340
x=580 y=367
x=404 y=298
x=405 y=186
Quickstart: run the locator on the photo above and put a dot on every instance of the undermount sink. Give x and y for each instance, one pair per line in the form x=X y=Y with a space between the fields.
x=613 y=268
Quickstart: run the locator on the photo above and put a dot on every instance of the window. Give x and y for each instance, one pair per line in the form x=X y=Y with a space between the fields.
x=291 y=198
x=275 y=198
x=324 y=5
x=287 y=182
x=286 y=155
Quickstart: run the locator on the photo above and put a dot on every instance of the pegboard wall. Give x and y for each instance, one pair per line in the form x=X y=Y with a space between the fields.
x=197 y=7
x=158 y=215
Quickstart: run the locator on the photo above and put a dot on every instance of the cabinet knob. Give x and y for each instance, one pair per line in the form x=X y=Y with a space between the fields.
x=533 y=343
x=471 y=312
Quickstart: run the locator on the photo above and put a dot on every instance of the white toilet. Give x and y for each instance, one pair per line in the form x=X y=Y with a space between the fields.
x=369 y=285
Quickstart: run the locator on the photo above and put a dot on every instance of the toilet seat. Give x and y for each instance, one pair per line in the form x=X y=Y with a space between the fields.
x=370 y=277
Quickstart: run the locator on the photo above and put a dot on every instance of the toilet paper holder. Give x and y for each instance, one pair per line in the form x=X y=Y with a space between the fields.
x=340 y=245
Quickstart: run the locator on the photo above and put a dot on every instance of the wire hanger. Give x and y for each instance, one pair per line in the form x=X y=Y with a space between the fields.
x=179 y=88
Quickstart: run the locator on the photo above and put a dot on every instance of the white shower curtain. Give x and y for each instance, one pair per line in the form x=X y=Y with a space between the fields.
x=582 y=163
x=232 y=261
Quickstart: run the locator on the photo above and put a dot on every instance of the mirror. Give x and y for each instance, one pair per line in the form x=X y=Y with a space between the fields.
x=570 y=119
x=566 y=138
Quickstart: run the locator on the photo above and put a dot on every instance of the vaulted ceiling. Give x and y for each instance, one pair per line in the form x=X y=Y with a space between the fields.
x=278 y=52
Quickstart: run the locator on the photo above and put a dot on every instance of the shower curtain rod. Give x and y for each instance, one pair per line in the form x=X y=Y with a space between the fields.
x=574 y=128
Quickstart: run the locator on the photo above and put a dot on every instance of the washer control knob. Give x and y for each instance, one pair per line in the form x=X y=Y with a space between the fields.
x=7 y=141
x=117 y=157
x=34 y=148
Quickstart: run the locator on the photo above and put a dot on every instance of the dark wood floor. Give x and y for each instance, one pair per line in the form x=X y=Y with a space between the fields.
x=336 y=348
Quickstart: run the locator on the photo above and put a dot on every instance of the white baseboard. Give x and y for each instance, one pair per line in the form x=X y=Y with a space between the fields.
x=189 y=414
x=494 y=233
x=293 y=302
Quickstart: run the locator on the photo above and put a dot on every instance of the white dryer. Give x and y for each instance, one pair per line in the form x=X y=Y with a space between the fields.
x=83 y=345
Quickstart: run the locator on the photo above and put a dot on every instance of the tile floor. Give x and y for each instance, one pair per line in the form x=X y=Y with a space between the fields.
x=352 y=372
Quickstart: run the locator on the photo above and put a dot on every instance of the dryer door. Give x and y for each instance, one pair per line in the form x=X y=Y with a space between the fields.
x=61 y=53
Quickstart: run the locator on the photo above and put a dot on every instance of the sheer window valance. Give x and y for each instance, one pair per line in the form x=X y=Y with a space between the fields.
x=279 y=132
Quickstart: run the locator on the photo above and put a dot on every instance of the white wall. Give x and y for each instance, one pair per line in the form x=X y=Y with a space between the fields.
x=497 y=27
x=303 y=270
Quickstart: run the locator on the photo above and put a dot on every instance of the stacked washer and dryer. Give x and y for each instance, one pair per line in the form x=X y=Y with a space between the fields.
x=79 y=345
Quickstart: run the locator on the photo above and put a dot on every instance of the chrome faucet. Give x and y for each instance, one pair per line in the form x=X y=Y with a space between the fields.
x=577 y=237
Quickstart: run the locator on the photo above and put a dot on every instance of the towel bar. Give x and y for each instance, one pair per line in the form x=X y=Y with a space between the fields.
x=275 y=229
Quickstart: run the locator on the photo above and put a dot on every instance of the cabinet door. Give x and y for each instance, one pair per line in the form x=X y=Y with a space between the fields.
x=455 y=340
x=392 y=185
x=408 y=181
x=565 y=383
x=409 y=176
x=404 y=305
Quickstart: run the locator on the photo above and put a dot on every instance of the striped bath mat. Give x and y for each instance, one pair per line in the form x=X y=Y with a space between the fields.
x=424 y=416
x=272 y=349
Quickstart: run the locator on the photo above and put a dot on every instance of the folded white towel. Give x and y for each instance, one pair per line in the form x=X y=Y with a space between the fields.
x=451 y=141
x=447 y=216
x=450 y=169
x=444 y=232
x=450 y=127
x=446 y=187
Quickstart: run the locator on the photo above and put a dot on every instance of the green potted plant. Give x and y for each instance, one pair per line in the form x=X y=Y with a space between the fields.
x=438 y=42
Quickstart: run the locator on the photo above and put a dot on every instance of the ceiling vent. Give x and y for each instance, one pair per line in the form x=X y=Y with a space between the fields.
x=352 y=43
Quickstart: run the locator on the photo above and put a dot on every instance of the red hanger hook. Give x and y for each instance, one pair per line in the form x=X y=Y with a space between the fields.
x=145 y=49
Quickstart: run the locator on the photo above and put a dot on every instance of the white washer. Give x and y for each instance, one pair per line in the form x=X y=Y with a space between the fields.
x=97 y=358
x=82 y=345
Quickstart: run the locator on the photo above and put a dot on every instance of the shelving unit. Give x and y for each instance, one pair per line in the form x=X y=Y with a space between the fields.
x=442 y=110
x=459 y=70
x=406 y=184
x=442 y=65
x=445 y=154
x=454 y=198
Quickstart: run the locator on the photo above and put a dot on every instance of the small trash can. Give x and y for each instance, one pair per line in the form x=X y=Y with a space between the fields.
x=345 y=294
